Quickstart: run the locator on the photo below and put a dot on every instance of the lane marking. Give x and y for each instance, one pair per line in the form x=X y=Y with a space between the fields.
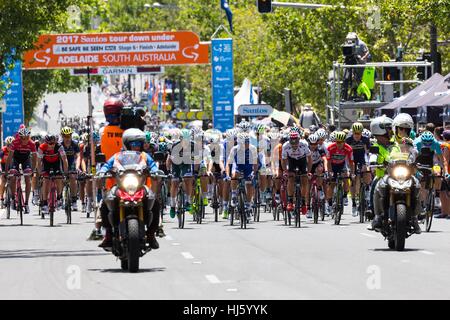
x=427 y=252
x=168 y=237
x=187 y=255
x=367 y=235
x=197 y=262
x=175 y=244
x=212 y=278
x=232 y=290
x=405 y=261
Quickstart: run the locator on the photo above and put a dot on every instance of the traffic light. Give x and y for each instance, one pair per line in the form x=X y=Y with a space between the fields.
x=423 y=74
x=391 y=74
x=264 y=6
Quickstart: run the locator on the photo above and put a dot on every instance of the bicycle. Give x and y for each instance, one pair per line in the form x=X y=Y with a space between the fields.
x=338 y=198
x=317 y=204
x=241 y=194
x=429 y=179
x=364 y=191
x=7 y=198
x=215 y=203
x=181 y=215
x=19 y=197
x=298 y=199
x=53 y=194
x=256 y=199
x=197 y=206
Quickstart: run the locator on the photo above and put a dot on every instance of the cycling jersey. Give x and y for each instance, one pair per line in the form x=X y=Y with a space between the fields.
x=302 y=151
x=217 y=154
x=359 y=148
x=427 y=158
x=71 y=151
x=181 y=155
x=51 y=155
x=4 y=154
x=243 y=159
x=317 y=155
x=21 y=151
x=339 y=156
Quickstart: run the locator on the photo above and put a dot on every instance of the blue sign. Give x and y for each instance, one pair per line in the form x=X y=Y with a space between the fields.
x=13 y=117
x=222 y=84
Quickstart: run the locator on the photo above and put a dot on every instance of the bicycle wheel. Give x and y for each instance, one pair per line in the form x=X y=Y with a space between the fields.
x=362 y=203
x=315 y=204
x=297 y=211
x=215 y=203
x=256 y=203
x=231 y=214
x=181 y=213
x=430 y=210
x=242 y=213
x=8 y=203
x=19 y=205
x=67 y=204
x=338 y=205
x=52 y=205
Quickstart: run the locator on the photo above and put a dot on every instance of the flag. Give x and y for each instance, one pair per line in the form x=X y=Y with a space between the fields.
x=224 y=5
x=251 y=94
x=159 y=97
x=164 y=96
x=155 y=94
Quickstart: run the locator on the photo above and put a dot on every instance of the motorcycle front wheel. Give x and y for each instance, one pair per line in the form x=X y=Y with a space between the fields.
x=400 y=227
x=133 y=245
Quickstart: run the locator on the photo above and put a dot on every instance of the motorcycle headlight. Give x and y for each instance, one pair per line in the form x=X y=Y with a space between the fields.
x=401 y=173
x=130 y=183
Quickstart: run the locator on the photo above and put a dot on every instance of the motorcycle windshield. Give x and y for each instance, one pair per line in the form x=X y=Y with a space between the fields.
x=129 y=160
x=397 y=157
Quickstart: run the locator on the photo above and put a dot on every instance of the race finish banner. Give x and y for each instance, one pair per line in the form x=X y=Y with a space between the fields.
x=222 y=84
x=13 y=117
x=110 y=71
x=116 y=49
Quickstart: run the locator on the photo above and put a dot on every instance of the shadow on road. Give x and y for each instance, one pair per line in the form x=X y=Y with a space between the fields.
x=157 y=269
x=392 y=250
x=40 y=253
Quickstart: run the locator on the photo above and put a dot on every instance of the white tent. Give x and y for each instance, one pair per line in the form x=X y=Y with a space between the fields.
x=243 y=96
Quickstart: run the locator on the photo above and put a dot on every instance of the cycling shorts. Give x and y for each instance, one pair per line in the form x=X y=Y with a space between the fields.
x=301 y=164
x=51 y=166
x=216 y=168
x=24 y=163
x=181 y=170
x=246 y=169
x=3 y=167
x=339 y=168
x=315 y=166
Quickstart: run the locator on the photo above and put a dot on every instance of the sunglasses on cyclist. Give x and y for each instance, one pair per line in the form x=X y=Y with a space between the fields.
x=51 y=143
x=135 y=144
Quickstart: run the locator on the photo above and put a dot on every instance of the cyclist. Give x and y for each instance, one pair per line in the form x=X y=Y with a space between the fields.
x=297 y=155
x=263 y=145
x=276 y=165
x=22 y=148
x=6 y=149
x=132 y=140
x=319 y=162
x=217 y=168
x=179 y=163
x=201 y=157
x=360 y=146
x=72 y=151
x=243 y=158
x=228 y=144
x=340 y=160
x=429 y=149
x=51 y=154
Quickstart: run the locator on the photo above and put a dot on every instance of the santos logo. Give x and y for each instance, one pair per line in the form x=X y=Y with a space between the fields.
x=255 y=110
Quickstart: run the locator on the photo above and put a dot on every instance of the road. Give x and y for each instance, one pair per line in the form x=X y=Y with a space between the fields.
x=218 y=261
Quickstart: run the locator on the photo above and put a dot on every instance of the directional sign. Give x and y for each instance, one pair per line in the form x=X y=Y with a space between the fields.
x=13 y=117
x=116 y=49
x=2 y=105
x=222 y=83
x=110 y=71
x=255 y=110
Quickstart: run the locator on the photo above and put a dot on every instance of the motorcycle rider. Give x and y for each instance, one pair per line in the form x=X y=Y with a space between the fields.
x=380 y=128
x=133 y=140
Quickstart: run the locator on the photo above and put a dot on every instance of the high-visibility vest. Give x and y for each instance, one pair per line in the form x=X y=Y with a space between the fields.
x=111 y=141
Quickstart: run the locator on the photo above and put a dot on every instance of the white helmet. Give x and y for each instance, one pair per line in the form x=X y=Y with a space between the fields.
x=380 y=125
x=132 y=135
x=313 y=138
x=366 y=133
x=333 y=136
x=321 y=133
x=403 y=120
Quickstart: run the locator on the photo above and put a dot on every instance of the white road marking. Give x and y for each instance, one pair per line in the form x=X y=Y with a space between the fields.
x=168 y=238
x=197 y=262
x=367 y=235
x=175 y=244
x=405 y=261
x=212 y=278
x=427 y=252
x=187 y=255
x=232 y=290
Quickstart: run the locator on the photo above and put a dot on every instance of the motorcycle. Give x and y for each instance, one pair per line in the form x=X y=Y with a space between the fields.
x=399 y=201
x=134 y=201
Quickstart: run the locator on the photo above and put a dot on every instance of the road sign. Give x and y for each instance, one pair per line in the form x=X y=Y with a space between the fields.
x=222 y=83
x=116 y=49
x=255 y=110
x=110 y=71
x=13 y=117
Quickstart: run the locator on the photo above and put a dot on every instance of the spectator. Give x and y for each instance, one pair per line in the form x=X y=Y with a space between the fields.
x=308 y=117
x=61 y=113
x=430 y=127
x=438 y=133
x=45 y=112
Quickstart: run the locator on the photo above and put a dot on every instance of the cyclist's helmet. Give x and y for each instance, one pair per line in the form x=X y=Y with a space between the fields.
x=24 y=132
x=340 y=136
x=313 y=128
x=185 y=134
x=366 y=133
x=296 y=129
x=427 y=137
x=50 y=138
x=112 y=106
x=321 y=134
x=148 y=136
x=357 y=127
x=244 y=126
x=260 y=128
x=313 y=138
x=197 y=133
x=85 y=137
x=381 y=126
x=66 y=131
x=96 y=137
x=294 y=136
x=230 y=133
x=274 y=135
x=333 y=136
x=162 y=147
x=133 y=137
x=9 y=140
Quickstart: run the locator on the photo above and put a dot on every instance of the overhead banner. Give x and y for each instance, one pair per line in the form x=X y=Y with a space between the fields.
x=13 y=117
x=112 y=71
x=222 y=84
x=116 y=49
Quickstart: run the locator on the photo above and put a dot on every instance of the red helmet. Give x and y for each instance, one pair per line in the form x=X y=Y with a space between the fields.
x=112 y=106
x=294 y=135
